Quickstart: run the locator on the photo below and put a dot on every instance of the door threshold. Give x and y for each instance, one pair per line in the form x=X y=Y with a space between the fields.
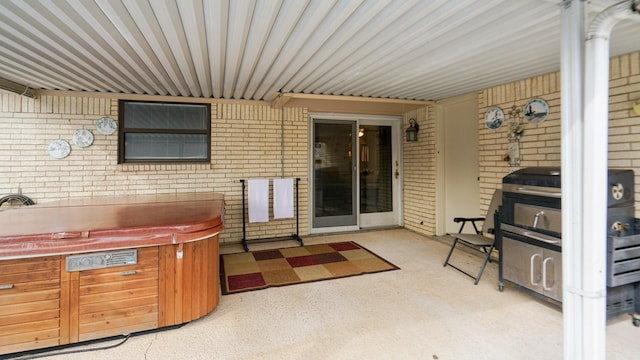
x=361 y=230
x=384 y=227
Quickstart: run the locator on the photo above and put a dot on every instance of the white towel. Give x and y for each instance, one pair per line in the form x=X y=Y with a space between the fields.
x=282 y=198
x=258 y=200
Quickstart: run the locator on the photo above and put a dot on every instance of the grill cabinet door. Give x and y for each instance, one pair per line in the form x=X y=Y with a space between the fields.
x=532 y=267
x=522 y=264
x=552 y=274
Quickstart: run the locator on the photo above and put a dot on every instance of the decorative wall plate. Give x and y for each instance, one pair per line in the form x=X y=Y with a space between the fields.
x=106 y=125
x=536 y=111
x=82 y=138
x=59 y=149
x=494 y=117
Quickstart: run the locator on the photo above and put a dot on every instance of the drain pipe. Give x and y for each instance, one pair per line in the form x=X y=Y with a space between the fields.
x=584 y=288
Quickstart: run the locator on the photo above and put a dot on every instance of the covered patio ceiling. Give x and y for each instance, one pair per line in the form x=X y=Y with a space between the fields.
x=259 y=49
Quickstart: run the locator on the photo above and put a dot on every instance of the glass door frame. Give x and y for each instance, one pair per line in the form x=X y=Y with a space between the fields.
x=363 y=221
x=335 y=200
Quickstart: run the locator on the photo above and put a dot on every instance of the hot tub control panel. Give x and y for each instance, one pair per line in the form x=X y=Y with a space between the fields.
x=102 y=260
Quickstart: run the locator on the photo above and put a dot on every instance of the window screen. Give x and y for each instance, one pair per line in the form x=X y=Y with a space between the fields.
x=164 y=132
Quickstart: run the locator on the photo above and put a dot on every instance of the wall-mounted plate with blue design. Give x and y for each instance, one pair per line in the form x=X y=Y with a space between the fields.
x=536 y=111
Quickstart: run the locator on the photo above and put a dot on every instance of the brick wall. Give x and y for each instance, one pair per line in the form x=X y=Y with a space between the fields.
x=540 y=144
x=624 y=123
x=246 y=143
x=420 y=173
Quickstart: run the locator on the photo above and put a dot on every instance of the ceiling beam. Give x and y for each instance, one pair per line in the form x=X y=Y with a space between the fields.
x=19 y=89
x=348 y=104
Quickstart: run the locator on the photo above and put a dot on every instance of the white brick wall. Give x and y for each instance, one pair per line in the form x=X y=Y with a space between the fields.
x=540 y=144
x=420 y=173
x=246 y=143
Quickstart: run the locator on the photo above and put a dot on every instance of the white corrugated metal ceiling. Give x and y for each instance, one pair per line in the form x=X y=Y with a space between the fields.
x=255 y=49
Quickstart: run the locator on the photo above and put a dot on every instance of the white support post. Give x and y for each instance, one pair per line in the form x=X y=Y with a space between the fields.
x=572 y=73
x=585 y=120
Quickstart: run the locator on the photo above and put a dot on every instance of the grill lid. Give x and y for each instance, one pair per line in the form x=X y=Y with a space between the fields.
x=535 y=176
x=620 y=183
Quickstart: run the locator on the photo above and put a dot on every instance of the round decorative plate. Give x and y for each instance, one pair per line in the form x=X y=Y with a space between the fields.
x=536 y=111
x=59 y=149
x=106 y=125
x=494 y=117
x=82 y=138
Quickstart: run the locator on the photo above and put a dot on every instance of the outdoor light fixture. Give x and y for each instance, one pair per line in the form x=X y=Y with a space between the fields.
x=636 y=107
x=412 y=130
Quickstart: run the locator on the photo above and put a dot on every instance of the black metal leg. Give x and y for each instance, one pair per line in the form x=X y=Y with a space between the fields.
x=297 y=234
x=453 y=246
x=484 y=265
x=244 y=221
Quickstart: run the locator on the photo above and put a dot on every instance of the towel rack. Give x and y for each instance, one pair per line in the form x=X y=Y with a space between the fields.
x=295 y=236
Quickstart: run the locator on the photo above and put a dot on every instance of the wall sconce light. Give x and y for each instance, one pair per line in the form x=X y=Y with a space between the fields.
x=636 y=107
x=412 y=130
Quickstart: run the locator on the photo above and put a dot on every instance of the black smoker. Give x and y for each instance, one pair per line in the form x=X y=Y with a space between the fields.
x=531 y=226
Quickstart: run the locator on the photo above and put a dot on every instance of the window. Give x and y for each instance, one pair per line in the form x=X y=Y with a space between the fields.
x=155 y=132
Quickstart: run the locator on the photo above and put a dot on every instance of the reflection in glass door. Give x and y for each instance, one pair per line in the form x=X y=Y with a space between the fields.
x=379 y=175
x=334 y=182
x=356 y=173
x=376 y=190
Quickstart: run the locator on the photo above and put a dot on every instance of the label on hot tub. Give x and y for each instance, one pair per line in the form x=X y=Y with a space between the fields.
x=102 y=260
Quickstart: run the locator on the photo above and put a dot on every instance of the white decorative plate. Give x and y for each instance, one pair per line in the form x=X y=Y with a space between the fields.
x=536 y=111
x=494 y=117
x=82 y=138
x=106 y=125
x=59 y=149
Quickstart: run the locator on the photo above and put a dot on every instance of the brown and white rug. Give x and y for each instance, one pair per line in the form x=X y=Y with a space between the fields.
x=266 y=268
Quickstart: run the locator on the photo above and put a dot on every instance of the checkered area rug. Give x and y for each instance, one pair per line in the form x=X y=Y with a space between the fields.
x=266 y=268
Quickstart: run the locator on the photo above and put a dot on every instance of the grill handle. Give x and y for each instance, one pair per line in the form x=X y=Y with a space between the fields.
x=540 y=238
x=536 y=217
x=532 y=272
x=528 y=191
x=544 y=274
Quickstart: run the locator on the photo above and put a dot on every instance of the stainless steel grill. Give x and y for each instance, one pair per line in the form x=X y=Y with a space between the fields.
x=531 y=228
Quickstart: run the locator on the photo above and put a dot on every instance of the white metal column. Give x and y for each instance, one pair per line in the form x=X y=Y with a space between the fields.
x=572 y=73
x=585 y=107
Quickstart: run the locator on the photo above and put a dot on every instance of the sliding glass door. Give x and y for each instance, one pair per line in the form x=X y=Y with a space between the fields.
x=378 y=175
x=356 y=173
x=334 y=176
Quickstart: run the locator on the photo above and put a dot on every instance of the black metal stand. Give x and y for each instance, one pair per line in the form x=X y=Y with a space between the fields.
x=498 y=234
x=294 y=236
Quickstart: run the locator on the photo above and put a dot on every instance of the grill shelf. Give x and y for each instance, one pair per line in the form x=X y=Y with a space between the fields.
x=621 y=300
x=623 y=260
